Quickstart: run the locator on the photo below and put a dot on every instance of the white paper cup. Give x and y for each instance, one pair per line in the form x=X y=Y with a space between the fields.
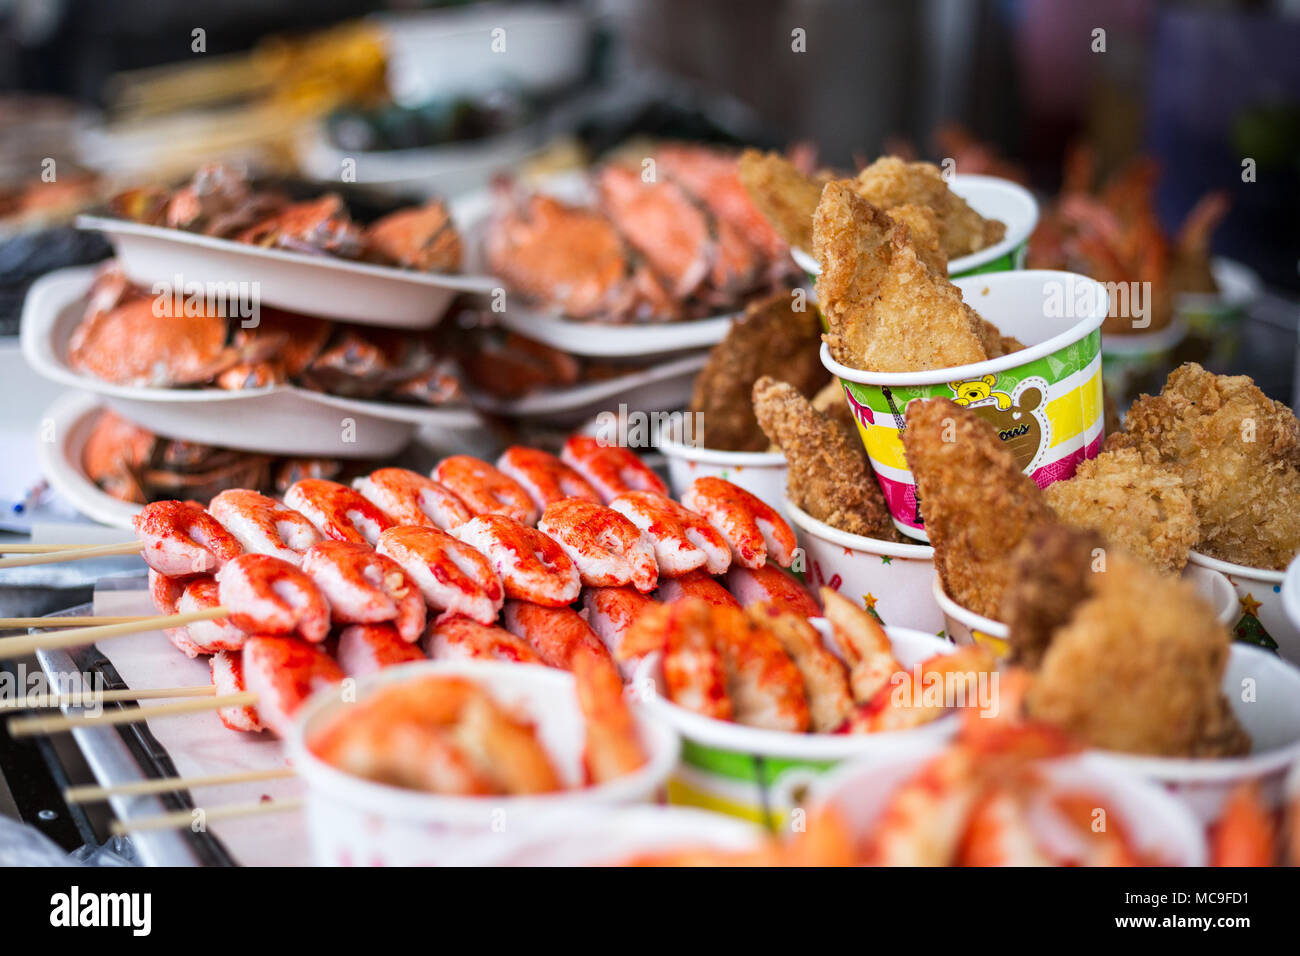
x=1260 y=616
x=761 y=473
x=1138 y=362
x=357 y=822
x=992 y=198
x=1045 y=400
x=1291 y=593
x=761 y=775
x=1158 y=824
x=966 y=627
x=1271 y=717
x=892 y=579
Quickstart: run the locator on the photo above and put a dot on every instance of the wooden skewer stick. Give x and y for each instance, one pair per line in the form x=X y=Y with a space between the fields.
x=12 y=647
x=80 y=698
x=48 y=548
x=185 y=818
x=171 y=785
x=73 y=554
x=21 y=623
x=30 y=726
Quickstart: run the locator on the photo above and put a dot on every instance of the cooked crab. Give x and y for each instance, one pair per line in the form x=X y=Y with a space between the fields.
x=422 y=238
x=318 y=226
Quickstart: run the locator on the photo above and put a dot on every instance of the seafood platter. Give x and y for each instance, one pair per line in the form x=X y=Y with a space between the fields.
x=889 y=582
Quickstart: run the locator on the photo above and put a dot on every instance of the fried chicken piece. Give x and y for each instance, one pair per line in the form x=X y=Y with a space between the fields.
x=1238 y=454
x=1138 y=669
x=891 y=182
x=1052 y=572
x=771 y=339
x=829 y=476
x=995 y=343
x=977 y=503
x=887 y=310
x=1141 y=507
x=923 y=229
x=785 y=195
x=832 y=403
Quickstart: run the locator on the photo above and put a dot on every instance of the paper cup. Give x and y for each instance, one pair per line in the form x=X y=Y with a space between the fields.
x=966 y=627
x=992 y=198
x=761 y=473
x=1044 y=400
x=892 y=579
x=1260 y=616
x=1157 y=823
x=1291 y=594
x=1270 y=714
x=356 y=822
x=761 y=775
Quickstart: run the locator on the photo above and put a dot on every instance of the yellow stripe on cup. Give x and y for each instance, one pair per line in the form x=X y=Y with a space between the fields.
x=885 y=445
x=683 y=794
x=1072 y=413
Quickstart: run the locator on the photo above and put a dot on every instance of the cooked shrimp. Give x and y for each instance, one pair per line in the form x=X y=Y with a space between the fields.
x=770 y=585
x=484 y=490
x=338 y=512
x=925 y=818
x=365 y=587
x=532 y=567
x=611 y=470
x=926 y=693
x=825 y=678
x=694 y=675
x=613 y=745
x=453 y=577
x=262 y=525
x=864 y=644
x=610 y=612
x=408 y=498
x=462 y=639
x=751 y=526
x=366 y=648
x=219 y=634
x=227 y=668
x=181 y=539
x=544 y=477
x=505 y=747
x=607 y=548
x=683 y=541
x=166 y=592
x=283 y=672
x=698 y=584
x=269 y=596
x=1246 y=831
x=998 y=833
x=555 y=634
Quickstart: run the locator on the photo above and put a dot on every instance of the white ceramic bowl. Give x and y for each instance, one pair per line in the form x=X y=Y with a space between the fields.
x=892 y=578
x=352 y=821
x=992 y=198
x=1158 y=824
x=966 y=627
x=1260 y=616
x=1045 y=400
x=283 y=419
x=316 y=285
x=761 y=473
x=761 y=775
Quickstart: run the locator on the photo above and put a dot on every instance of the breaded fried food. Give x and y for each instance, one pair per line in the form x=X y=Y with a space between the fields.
x=890 y=182
x=832 y=403
x=923 y=231
x=1052 y=572
x=829 y=476
x=784 y=194
x=1138 y=669
x=977 y=503
x=887 y=310
x=1141 y=507
x=772 y=338
x=995 y=343
x=1238 y=454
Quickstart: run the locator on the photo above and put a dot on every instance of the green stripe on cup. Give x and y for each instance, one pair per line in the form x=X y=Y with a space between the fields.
x=1007 y=262
x=742 y=766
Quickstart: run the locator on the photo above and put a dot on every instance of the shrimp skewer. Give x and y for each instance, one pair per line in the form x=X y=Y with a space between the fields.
x=545 y=478
x=752 y=527
x=365 y=587
x=532 y=566
x=338 y=512
x=408 y=498
x=683 y=541
x=264 y=526
x=611 y=470
x=453 y=577
x=607 y=548
x=484 y=489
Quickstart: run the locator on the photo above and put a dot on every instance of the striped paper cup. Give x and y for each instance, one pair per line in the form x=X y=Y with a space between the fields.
x=1044 y=401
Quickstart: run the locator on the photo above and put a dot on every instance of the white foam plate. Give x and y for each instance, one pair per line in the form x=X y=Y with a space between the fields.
x=665 y=386
x=317 y=285
x=71 y=418
x=992 y=198
x=592 y=339
x=283 y=419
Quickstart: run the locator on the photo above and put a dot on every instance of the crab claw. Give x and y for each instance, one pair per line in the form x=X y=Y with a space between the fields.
x=454 y=578
x=365 y=587
x=181 y=539
x=269 y=596
x=683 y=540
x=338 y=512
x=543 y=476
x=283 y=672
x=752 y=527
x=263 y=525
x=611 y=470
x=485 y=490
x=408 y=498
x=532 y=566
x=608 y=549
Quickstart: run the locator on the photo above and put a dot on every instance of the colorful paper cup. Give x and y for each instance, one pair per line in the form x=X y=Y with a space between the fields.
x=966 y=627
x=761 y=775
x=1160 y=825
x=761 y=473
x=1045 y=400
x=890 y=578
x=1260 y=616
x=992 y=198
x=352 y=821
